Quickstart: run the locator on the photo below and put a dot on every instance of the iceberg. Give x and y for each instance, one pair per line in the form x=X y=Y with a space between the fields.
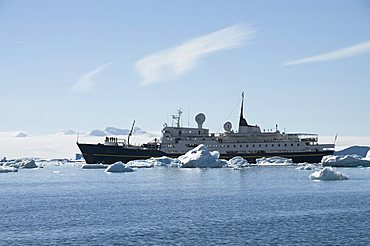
x=201 y=157
x=237 y=162
x=327 y=174
x=345 y=161
x=274 y=161
x=94 y=166
x=28 y=164
x=119 y=167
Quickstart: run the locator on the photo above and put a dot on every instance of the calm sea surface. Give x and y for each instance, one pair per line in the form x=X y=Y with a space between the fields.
x=169 y=206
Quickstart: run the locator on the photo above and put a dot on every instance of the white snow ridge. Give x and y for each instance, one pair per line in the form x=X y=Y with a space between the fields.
x=327 y=174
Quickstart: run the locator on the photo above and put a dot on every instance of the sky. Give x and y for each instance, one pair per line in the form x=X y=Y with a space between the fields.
x=83 y=65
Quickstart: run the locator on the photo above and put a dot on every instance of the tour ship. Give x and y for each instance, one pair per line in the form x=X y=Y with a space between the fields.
x=248 y=142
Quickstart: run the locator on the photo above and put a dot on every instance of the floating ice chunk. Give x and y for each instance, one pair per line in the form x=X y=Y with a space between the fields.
x=94 y=166
x=8 y=169
x=274 y=161
x=345 y=161
x=119 y=167
x=306 y=166
x=326 y=174
x=140 y=164
x=237 y=162
x=201 y=157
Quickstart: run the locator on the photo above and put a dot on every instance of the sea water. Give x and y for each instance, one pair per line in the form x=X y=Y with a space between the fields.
x=173 y=206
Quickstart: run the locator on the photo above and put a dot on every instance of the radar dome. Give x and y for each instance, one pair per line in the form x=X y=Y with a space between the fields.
x=200 y=118
x=227 y=126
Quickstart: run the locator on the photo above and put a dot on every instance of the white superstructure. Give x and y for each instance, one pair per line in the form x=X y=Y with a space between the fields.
x=247 y=140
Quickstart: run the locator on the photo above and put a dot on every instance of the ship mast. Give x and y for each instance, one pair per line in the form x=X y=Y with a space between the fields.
x=177 y=117
x=242 y=121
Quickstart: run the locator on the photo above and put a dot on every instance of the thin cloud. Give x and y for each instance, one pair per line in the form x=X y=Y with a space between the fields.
x=171 y=63
x=354 y=50
x=86 y=82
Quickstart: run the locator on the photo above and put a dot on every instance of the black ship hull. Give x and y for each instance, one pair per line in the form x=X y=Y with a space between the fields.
x=108 y=154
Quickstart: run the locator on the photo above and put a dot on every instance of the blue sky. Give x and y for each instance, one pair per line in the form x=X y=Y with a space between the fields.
x=82 y=65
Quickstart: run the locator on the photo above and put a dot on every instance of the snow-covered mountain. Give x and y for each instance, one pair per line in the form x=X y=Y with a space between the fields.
x=69 y=132
x=113 y=131
x=21 y=135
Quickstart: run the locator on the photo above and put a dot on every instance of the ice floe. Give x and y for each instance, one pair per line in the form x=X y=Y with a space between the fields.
x=345 y=161
x=119 y=167
x=201 y=157
x=237 y=162
x=20 y=163
x=163 y=161
x=8 y=169
x=327 y=174
x=274 y=161
x=94 y=166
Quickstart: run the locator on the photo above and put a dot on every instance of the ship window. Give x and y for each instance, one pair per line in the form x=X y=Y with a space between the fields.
x=285 y=145
x=279 y=145
x=253 y=145
x=265 y=145
x=272 y=145
x=228 y=146
x=247 y=145
x=198 y=132
x=297 y=144
x=291 y=144
x=234 y=145
x=241 y=146
x=259 y=145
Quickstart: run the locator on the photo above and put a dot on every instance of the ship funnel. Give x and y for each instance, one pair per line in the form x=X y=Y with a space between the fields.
x=200 y=118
